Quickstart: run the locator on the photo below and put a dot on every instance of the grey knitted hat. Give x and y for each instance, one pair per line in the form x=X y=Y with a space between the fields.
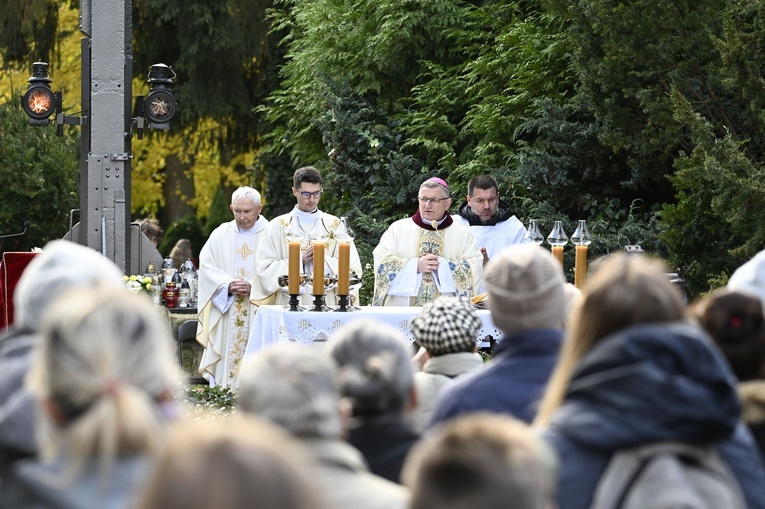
x=447 y=325
x=526 y=289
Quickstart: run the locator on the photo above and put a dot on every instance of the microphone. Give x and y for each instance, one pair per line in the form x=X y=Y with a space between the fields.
x=27 y=224
x=434 y=224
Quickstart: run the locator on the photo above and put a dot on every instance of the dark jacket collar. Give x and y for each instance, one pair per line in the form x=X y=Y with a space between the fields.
x=504 y=212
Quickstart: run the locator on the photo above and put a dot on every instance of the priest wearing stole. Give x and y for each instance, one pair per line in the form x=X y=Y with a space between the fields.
x=426 y=255
x=227 y=282
x=306 y=219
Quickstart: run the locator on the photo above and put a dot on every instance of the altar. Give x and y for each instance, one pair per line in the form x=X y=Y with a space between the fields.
x=275 y=324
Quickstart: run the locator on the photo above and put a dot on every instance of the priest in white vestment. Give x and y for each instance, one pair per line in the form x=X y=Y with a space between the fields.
x=227 y=282
x=427 y=255
x=490 y=219
x=310 y=222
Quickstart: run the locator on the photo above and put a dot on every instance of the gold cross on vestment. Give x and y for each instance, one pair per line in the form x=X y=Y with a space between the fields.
x=245 y=251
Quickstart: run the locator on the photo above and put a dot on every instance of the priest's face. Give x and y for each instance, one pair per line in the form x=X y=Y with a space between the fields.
x=246 y=212
x=308 y=196
x=434 y=202
x=484 y=203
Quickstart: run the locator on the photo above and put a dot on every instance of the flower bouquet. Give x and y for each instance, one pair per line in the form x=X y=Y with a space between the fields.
x=138 y=284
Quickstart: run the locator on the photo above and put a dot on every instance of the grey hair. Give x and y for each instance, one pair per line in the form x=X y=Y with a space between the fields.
x=105 y=362
x=374 y=368
x=246 y=192
x=291 y=386
x=61 y=266
x=430 y=184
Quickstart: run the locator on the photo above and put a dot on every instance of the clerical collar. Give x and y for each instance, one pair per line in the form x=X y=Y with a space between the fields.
x=259 y=225
x=306 y=215
x=445 y=222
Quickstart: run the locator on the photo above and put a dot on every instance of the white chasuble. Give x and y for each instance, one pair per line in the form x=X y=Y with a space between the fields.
x=273 y=252
x=397 y=282
x=495 y=237
x=225 y=319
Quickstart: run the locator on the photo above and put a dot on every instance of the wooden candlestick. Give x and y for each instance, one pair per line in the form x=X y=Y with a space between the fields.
x=293 y=285
x=557 y=252
x=318 y=269
x=344 y=269
x=580 y=266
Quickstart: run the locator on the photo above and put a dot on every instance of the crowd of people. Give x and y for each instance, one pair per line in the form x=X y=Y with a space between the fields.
x=581 y=382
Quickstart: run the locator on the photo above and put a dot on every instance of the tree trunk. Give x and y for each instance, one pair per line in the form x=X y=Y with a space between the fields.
x=178 y=190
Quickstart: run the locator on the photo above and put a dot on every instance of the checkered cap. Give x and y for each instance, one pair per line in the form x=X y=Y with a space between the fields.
x=447 y=325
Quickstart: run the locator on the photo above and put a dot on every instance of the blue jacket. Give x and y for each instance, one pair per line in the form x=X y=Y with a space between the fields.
x=512 y=382
x=646 y=384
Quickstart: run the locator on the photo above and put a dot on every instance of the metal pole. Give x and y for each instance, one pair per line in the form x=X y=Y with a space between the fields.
x=106 y=76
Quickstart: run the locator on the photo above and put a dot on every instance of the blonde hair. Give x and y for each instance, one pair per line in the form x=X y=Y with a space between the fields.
x=103 y=365
x=481 y=461
x=238 y=463
x=625 y=290
x=150 y=227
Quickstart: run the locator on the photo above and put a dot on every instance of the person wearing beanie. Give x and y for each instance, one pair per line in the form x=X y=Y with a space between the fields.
x=427 y=255
x=527 y=301
x=447 y=331
x=750 y=277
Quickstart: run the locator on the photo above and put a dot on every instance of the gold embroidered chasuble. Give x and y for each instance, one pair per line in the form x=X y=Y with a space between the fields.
x=405 y=242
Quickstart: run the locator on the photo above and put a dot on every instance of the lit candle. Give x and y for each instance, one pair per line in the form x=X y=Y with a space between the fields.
x=318 y=268
x=557 y=252
x=294 y=268
x=344 y=269
x=580 y=266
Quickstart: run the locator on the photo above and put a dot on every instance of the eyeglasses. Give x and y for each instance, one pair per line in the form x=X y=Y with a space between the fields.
x=422 y=199
x=315 y=194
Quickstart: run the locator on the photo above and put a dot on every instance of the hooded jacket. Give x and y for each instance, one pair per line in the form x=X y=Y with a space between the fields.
x=650 y=383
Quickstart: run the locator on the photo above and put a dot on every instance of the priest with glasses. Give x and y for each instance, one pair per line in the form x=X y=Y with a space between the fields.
x=426 y=255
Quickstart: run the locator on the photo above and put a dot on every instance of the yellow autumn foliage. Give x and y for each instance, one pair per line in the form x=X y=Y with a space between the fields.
x=192 y=145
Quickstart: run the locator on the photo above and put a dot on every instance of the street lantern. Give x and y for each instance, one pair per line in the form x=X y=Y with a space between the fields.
x=159 y=105
x=39 y=101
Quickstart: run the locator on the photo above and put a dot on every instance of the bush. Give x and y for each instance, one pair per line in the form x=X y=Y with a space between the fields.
x=39 y=176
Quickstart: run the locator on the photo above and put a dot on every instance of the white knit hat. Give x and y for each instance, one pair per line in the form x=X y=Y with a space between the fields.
x=61 y=266
x=526 y=289
x=750 y=277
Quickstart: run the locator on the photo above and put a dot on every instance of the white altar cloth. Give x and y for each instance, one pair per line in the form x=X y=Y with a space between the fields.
x=274 y=324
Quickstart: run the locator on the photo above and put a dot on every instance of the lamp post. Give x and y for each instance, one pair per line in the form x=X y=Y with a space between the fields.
x=107 y=125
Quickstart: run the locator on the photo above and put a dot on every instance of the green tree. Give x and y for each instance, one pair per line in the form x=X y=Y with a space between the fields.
x=225 y=64
x=398 y=91
x=670 y=96
x=39 y=176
